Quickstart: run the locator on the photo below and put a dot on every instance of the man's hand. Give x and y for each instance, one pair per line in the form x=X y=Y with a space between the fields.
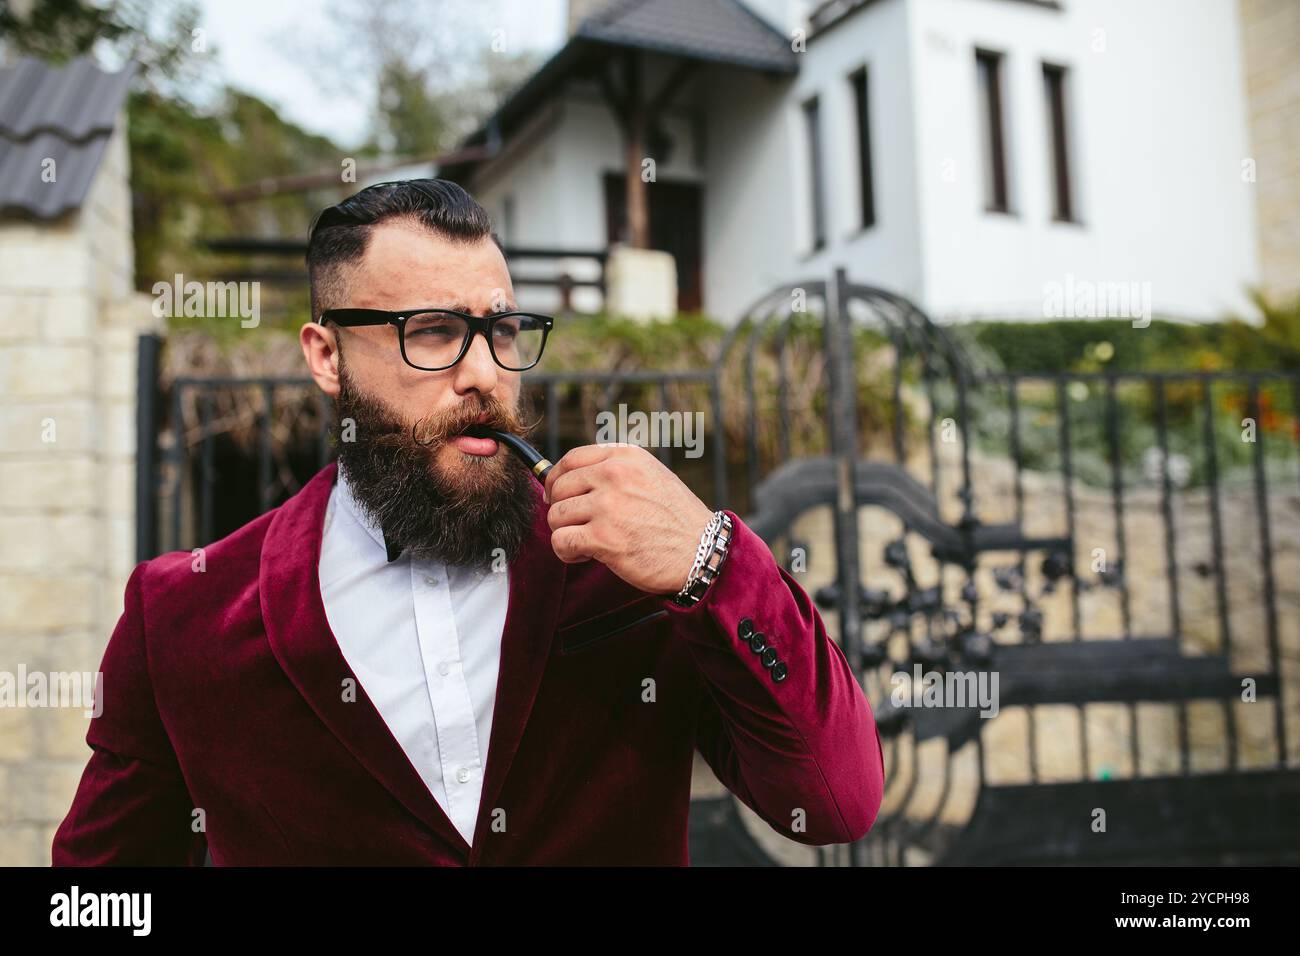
x=619 y=504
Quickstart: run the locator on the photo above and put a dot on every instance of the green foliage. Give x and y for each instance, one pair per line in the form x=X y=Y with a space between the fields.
x=607 y=342
x=1091 y=345
x=409 y=118
x=182 y=157
x=152 y=34
x=1082 y=348
x=1275 y=343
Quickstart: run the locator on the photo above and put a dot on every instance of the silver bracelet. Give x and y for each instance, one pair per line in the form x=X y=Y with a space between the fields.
x=710 y=555
x=702 y=551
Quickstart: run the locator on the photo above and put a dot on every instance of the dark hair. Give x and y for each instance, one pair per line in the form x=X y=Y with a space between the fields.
x=340 y=233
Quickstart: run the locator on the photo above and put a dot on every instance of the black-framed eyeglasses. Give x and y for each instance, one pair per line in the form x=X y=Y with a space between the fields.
x=436 y=339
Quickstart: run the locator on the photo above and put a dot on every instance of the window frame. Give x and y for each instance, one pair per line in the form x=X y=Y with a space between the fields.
x=993 y=130
x=1056 y=79
x=860 y=81
x=810 y=111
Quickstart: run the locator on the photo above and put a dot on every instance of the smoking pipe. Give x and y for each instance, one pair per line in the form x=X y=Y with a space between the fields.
x=534 y=459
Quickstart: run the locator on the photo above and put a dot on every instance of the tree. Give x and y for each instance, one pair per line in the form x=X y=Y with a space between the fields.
x=429 y=66
x=157 y=35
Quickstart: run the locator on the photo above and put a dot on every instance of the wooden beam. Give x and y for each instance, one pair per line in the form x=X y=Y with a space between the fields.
x=616 y=101
x=638 y=212
x=663 y=98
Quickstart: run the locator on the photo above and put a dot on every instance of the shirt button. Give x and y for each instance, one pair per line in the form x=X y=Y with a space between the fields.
x=444 y=668
x=430 y=580
x=463 y=775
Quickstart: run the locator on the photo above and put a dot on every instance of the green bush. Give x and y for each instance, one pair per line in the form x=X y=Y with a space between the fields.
x=1088 y=345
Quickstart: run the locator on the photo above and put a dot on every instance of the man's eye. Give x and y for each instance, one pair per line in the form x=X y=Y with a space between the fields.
x=436 y=331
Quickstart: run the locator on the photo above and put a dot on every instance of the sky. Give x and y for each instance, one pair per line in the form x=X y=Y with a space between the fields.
x=253 y=43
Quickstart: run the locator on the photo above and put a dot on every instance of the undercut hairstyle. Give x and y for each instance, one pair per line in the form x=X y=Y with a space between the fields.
x=340 y=233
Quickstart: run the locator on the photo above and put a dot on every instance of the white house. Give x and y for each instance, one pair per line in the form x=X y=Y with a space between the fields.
x=976 y=156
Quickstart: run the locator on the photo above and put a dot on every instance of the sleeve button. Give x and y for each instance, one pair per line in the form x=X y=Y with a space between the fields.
x=758 y=642
x=745 y=629
x=770 y=658
x=779 y=671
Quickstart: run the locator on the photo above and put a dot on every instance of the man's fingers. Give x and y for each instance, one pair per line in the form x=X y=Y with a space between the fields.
x=573 y=459
x=570 y=511
x=577 y=482
x=572 y=543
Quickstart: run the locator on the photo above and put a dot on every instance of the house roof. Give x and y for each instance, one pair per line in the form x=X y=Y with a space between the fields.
x=61 y=113
x=714 y=31
x=720 y=31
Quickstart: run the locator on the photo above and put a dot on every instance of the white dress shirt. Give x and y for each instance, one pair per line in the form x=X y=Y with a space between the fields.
x=424 y=640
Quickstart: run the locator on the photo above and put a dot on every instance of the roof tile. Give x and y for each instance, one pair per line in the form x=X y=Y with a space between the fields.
x=718 y=30
x=64 y=113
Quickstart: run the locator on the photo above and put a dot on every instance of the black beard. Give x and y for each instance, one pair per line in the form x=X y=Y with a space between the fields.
x=479 y=516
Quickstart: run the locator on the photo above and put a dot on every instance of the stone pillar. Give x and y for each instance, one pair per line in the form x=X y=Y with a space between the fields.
x=1270 y=30
x=68 y=326
x=640 y=283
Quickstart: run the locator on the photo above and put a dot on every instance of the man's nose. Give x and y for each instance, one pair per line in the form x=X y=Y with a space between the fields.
x=476 y=370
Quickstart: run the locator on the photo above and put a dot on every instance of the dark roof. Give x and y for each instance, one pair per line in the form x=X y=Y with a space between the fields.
x=721 y=31
x=715 y=31
x=64 y=113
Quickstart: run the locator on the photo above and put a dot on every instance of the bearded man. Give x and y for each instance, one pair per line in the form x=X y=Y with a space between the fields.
x=425 y=656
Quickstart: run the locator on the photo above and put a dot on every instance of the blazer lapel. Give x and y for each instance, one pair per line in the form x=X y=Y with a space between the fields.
x=536 y=586
x=300 y=637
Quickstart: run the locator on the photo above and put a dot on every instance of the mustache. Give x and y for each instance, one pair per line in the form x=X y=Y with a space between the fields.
x=436 y=429
x=382 y=426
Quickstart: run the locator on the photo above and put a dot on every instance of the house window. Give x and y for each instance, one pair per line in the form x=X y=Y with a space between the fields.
x=988 y=68
x=862 y=112
x=1054 y=89
x=812 y=122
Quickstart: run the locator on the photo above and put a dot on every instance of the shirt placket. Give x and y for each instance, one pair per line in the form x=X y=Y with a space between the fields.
x=453 y=711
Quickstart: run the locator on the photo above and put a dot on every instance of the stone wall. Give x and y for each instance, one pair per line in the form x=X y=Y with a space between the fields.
x=1270 y=33
x=68 y=326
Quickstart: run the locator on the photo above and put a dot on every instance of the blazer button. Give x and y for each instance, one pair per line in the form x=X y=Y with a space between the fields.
x=745 y=629
x=769 y=657
x=779 y=671
x=758 y=642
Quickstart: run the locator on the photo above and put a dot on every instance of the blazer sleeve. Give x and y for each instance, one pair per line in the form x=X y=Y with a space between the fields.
x=132 y=806
x=801 y=751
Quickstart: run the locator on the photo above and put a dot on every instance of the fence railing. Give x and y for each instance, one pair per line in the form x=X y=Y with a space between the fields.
x=560 y=278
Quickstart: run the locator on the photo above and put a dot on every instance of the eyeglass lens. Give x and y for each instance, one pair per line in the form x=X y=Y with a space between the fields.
x=434 y=339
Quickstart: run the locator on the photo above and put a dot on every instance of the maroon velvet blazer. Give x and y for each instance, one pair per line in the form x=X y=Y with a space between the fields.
x=225 y=693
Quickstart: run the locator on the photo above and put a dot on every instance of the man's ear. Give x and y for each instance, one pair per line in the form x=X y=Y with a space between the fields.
x=321 y=351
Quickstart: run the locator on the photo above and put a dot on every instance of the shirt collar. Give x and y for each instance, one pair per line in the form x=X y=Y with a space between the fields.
x=392 y=550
